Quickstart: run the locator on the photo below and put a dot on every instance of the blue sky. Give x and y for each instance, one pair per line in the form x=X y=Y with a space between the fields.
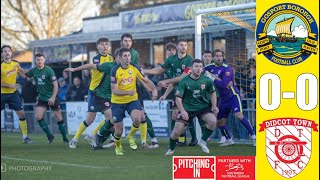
x=297 y=21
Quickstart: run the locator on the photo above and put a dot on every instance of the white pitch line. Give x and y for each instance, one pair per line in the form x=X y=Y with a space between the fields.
x=54 y=163
x=72 y=164
x=15 y=137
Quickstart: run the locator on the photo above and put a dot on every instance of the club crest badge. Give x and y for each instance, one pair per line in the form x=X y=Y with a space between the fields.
x=287 y=34
x=288 y=144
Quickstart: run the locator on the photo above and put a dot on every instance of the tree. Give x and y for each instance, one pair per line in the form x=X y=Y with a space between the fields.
x=26 y=20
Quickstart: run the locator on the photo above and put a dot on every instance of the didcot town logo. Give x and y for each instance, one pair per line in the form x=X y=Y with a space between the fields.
x=288 y=144
x=287 y=34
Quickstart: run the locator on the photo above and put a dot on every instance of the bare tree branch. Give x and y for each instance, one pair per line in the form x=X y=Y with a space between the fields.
x=26 y=20
x=39 y=13
x=13 y=34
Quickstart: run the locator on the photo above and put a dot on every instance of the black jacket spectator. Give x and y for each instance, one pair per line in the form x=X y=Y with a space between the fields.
x=77 y=91
x=29 y=92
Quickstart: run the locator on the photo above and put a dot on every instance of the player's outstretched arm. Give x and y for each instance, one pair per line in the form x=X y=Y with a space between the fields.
x=212 y=76
x=144 y=85
x=80 y=68
x=154 y=71
x=153 y=88
x=175 y=80
x=168 y=91
x=22 y=72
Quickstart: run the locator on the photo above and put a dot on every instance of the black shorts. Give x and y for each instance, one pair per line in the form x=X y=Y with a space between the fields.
x=192 y=114
x=13 y=100
x=55 y=107
x=102 y=104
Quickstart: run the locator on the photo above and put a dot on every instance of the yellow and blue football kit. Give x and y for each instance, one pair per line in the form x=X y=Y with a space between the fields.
x=126 y=79
x=9 y=72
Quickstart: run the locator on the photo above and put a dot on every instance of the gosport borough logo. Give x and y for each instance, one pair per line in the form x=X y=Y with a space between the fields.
x=287 y=34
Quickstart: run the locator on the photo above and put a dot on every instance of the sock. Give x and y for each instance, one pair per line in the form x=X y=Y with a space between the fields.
x=117 y=140
x=192 y=130
x=107 y=135
x=244 y=121
x=94 y=132
x=112 y=137
x=24 y=128
x=133 y=131
x=143 y=132
x=44 y=126
x=206 y=134
x=62 y=128
x=225 y=131
x=202 y=125
x=83 y=127
x=172 y=144
x=150 y=128
x=154 y=140
x=105 y=128
x=182 y=137
x=172 y=124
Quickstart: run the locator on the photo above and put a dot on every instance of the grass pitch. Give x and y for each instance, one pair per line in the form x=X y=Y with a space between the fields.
x=56 y=161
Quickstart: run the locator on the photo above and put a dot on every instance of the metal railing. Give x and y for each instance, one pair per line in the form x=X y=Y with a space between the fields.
x=10 y=121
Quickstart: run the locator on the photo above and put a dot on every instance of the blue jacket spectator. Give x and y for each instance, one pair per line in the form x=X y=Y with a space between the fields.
x=62 y=92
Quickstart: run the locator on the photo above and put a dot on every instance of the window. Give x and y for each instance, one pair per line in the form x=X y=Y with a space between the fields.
x=190 y=48
x=219 y=44
x=158 y=53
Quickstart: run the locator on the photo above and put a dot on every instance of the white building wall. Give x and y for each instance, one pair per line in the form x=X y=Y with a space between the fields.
x=102 y=24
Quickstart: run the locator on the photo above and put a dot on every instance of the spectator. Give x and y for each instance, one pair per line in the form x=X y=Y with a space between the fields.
x=252 y=79
x=244 y=83
x=251 y=61
x=237 y=74
x=77 y=91
x=29 y=94
x=86 y=78
x=65 y=76
x=62 y=92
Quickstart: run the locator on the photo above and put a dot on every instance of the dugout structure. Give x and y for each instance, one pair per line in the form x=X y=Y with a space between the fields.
x=231 y=29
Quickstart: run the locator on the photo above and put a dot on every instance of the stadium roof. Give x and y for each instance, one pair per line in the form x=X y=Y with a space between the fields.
x=216 y=23
x=155 y=31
